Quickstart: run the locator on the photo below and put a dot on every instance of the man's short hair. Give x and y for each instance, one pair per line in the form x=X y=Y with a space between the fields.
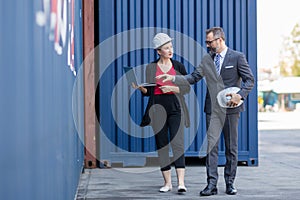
x=217 y=32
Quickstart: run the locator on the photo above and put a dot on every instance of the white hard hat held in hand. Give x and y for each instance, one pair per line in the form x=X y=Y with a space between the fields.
x=223 y=99
x=160 y=39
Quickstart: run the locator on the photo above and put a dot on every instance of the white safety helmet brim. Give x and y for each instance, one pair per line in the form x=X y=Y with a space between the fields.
x=223 y=100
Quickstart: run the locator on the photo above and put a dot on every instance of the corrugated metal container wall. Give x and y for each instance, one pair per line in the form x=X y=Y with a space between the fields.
x=41 y=152
x=126 y=29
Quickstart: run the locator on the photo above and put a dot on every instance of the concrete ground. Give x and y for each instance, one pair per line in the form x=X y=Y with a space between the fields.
x=276 y=177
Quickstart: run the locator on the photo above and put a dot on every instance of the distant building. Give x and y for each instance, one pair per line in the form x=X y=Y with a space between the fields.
x=284 y=93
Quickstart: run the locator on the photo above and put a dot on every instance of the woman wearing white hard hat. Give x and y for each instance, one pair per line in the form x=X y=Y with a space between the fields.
x=166 y=111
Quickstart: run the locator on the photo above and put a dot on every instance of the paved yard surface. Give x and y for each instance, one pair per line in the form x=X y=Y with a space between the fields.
x=276 y=177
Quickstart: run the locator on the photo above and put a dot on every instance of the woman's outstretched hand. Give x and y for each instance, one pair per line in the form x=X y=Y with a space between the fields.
x=141 y=88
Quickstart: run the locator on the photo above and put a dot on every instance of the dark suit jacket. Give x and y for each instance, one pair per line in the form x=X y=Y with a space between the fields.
x=235 y=70
x=184 y=89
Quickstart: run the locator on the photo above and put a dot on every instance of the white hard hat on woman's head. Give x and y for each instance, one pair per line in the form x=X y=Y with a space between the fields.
x=160 y=39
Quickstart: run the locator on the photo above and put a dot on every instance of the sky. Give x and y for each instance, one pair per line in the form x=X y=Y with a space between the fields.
x=275 y=20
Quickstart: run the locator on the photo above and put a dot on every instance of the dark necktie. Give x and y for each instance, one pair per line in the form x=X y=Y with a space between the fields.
x=217 y=63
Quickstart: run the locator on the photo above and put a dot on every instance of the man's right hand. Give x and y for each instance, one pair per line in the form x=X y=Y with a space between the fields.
x=166 y=77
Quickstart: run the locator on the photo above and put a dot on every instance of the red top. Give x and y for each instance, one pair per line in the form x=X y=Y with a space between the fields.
x=159 y=82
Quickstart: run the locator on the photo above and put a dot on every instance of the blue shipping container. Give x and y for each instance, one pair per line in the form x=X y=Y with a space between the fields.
x=126 y=29
x=41 y=49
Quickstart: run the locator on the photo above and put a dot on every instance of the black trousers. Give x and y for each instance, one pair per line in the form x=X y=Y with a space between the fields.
x=168 y=126
x=229 y=127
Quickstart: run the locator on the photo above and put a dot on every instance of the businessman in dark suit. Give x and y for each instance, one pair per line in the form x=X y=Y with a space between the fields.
x=222 y=68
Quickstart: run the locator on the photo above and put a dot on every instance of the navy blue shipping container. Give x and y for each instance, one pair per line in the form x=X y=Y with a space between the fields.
x=126 y=29
x=41 y=152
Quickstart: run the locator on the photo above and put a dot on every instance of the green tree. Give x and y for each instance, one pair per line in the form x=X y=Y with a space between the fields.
x=290 y=56
x=296 y=68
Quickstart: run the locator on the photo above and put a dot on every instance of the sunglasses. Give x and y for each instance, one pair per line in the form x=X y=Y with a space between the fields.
x=209 y=42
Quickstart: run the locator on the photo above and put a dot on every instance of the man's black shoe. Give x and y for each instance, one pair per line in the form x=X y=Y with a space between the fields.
x=209 y=190
x=230 y=189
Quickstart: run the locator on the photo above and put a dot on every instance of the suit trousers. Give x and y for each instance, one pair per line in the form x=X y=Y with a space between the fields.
x=168 y=126
x=230 y=132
